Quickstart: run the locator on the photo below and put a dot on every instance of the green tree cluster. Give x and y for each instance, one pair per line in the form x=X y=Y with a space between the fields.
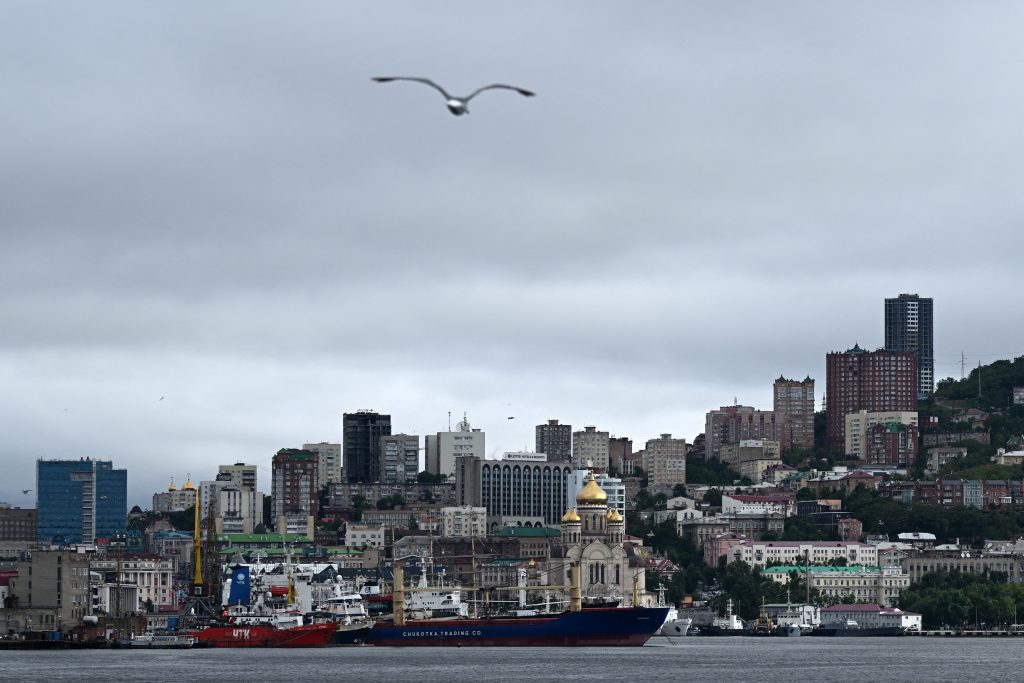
x=712 y=472
x=958 y=600
x=970 y=525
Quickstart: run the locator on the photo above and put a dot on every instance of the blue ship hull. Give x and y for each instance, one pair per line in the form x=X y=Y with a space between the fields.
x=631 y=626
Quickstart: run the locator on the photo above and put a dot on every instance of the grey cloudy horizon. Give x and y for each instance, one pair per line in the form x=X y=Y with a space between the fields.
x=215 y=203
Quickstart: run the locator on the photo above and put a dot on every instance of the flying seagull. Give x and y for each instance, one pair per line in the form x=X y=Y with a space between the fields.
x=162 y=398
x=25 y=491
x=456 y=105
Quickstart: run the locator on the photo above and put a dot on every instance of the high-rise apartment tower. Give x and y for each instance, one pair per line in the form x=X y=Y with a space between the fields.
x=908 y=329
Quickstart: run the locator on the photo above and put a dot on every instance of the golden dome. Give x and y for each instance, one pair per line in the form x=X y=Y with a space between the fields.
x=172 y=487
x=591 y=494
x=614 y=516
x=189 y=486
x=570 y=516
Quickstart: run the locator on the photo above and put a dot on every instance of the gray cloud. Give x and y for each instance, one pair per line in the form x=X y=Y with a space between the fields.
x=216 y=203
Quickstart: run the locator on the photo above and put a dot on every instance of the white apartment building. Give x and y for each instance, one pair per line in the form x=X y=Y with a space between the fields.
x=590 y=448
x=364 y=536
x=858 y=424
x=444 y=448
x=464 y=522
x=243 y=476
x=239 y=511
x=880 y=585
x=174 y=499
x=153 y=575
x=329 y=462
x=667 y=458
x=399 y=458
x=761 y=553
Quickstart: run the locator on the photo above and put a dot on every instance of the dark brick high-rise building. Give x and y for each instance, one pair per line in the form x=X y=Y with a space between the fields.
x=295 y=489
x=908 y=328
x=877 y=381
x=361 y=449
x=555 y=440
x=794 y=408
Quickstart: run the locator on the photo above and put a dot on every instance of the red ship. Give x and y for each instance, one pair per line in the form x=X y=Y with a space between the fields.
x=264 y=635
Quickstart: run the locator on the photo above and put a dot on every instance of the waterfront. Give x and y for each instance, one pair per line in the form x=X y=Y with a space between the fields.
x=760 y=660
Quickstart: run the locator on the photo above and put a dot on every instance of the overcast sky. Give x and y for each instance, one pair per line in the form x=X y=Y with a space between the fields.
x=214 y=203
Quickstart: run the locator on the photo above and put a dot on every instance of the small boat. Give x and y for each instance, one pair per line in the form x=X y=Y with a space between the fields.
x=791 y=622
x=763 y=625
x=161 y=640
x=729 y=625
x=674 y=626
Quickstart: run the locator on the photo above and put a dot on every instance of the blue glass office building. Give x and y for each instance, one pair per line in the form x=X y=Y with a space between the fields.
x=80 y=500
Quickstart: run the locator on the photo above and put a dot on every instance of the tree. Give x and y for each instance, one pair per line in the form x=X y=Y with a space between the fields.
x=359 y=505
x=713 y=497
x=805 y=493
x=426 y=477
x=323 y=498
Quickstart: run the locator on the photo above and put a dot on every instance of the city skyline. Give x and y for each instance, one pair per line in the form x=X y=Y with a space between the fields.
x=218 y=241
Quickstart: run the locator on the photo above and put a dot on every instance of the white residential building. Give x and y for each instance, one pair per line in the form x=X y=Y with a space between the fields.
x=590 y=449
x=667 y=458
x=364 y=536
x=154 y=577
x=858 y=424
x=329 y=462
x=399 y=458
x=463 y=522
x=761 y=553
x=881 y=585
x=444 y=448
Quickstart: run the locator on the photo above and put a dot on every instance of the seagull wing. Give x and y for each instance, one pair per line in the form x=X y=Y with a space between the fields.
x=424 y=81
x=500 y=86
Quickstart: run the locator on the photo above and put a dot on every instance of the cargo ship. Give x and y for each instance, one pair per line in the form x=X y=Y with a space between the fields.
x=605 y=626
x=577 y=627
x=264 y=635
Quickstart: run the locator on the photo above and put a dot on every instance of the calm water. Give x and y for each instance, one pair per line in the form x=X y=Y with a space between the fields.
x=753 y=660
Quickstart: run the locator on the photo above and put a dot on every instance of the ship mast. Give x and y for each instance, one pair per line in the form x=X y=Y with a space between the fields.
x=197 y=581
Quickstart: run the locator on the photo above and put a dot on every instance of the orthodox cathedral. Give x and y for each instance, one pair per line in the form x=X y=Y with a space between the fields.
x=594 y=537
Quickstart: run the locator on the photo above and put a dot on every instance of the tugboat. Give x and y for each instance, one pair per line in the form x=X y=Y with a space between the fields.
x=790 y=624
x=763 y=625
x=729 y=625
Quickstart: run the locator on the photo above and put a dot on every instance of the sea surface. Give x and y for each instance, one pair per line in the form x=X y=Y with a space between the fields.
x=753 y=660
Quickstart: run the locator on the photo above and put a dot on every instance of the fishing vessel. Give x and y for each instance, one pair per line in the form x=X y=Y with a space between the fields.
x=577 y=627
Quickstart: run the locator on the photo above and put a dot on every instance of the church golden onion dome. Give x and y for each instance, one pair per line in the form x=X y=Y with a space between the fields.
x=172 y=487
x=591 y=493
x=570 y=516
x=614 y=516
x=189 y=486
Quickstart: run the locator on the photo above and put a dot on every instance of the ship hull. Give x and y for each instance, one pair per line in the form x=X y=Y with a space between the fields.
x=879 y=632
x=608 y=627
x=314 y=635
